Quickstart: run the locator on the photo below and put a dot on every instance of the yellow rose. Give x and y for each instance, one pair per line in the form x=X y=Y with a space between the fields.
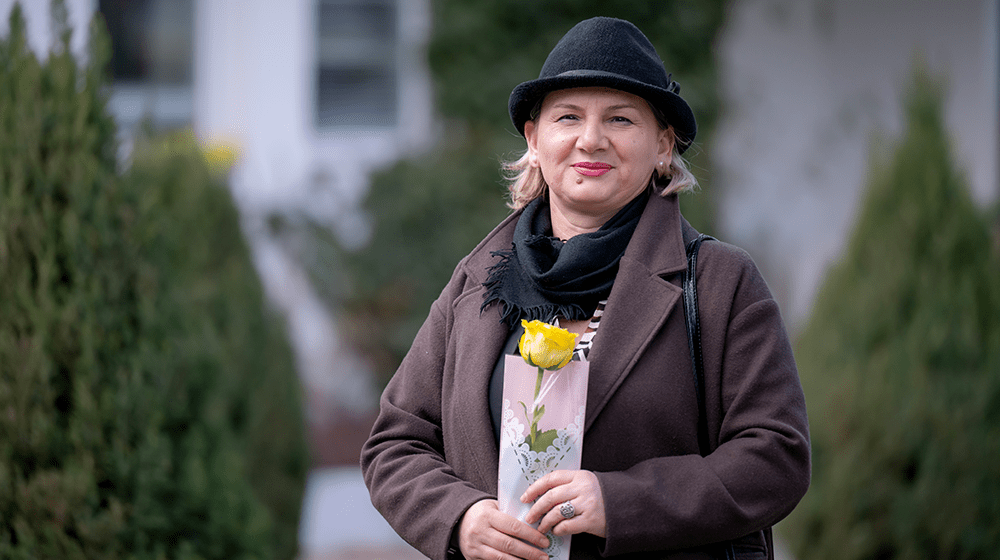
x=546 y=346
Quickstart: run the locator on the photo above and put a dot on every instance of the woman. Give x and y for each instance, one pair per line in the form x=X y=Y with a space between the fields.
x=598 y=241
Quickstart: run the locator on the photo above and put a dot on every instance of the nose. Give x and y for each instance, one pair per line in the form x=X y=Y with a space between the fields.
x=592 y=137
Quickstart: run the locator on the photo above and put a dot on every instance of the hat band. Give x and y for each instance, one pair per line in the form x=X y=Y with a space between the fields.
x=672 y=86
x=598 y=73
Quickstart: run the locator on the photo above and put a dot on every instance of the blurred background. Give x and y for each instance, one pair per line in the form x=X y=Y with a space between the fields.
x=851 y=147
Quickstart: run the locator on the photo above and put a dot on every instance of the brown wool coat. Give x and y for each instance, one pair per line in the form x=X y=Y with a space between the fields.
x=432 y=452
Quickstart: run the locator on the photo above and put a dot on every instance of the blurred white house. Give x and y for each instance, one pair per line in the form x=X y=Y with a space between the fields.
x=318 y=93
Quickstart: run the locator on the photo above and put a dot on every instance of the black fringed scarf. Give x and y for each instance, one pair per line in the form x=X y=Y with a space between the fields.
x=542 y=277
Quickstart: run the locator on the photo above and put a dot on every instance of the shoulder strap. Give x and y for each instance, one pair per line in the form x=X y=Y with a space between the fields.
x=726 y=550
x=690 y=295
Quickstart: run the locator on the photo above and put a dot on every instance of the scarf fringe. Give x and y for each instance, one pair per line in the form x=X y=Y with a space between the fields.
x=511 y=314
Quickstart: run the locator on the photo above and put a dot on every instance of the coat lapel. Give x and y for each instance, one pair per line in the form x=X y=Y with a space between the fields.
x=483 y=352
x=640 y=301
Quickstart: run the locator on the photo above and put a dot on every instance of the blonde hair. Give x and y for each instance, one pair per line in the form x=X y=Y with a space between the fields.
x=525 y=183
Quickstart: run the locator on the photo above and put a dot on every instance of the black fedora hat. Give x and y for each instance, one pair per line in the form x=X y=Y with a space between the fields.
x=613 y=53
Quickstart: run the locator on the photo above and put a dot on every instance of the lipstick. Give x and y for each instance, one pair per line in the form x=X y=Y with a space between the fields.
x=591 y=168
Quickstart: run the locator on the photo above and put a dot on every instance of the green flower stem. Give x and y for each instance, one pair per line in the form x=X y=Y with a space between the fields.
x=534 y=410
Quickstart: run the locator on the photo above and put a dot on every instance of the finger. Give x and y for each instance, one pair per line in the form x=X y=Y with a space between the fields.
x=546 y=483
x=521 y=531
x=500 y=545
x=548 y=491
x=584 y=493
x=554 y=519
x=477 y=538
x=563 y=486
x=549 y=501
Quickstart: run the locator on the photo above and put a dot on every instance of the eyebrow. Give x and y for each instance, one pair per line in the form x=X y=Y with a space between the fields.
x=623 y=106
x=563 y=105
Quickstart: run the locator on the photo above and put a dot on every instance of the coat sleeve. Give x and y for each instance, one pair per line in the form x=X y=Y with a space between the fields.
x=760 y=466
x=403 y=461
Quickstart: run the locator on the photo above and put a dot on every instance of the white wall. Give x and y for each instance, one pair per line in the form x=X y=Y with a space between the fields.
x=254 y=84
x=251 y=87
x=808 y=87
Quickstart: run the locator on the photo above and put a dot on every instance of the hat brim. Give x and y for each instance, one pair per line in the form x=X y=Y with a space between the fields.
x=679 y=115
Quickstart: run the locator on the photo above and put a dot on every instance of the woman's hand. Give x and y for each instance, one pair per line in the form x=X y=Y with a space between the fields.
x=579 y=488
x=486 y=533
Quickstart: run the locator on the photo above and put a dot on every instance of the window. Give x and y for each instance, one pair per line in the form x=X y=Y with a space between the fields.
x=356 y=76
x=151 y=60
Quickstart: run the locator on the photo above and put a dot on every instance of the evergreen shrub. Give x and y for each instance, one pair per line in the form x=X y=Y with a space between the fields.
x=149 y=407
x=900 y=362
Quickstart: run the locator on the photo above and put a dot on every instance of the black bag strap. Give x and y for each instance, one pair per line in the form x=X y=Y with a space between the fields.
x=690 y=294
x=726 y=550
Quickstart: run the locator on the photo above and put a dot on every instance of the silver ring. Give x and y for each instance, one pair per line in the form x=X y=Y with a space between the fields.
x=567 y=510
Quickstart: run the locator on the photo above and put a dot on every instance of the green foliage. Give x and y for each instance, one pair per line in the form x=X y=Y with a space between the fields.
x=428 y=216
x=429 y=213
x=148 y=405
x=900 y=365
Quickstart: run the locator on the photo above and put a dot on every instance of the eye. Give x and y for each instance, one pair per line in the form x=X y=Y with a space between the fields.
x=568 y=117
x=621 y=120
